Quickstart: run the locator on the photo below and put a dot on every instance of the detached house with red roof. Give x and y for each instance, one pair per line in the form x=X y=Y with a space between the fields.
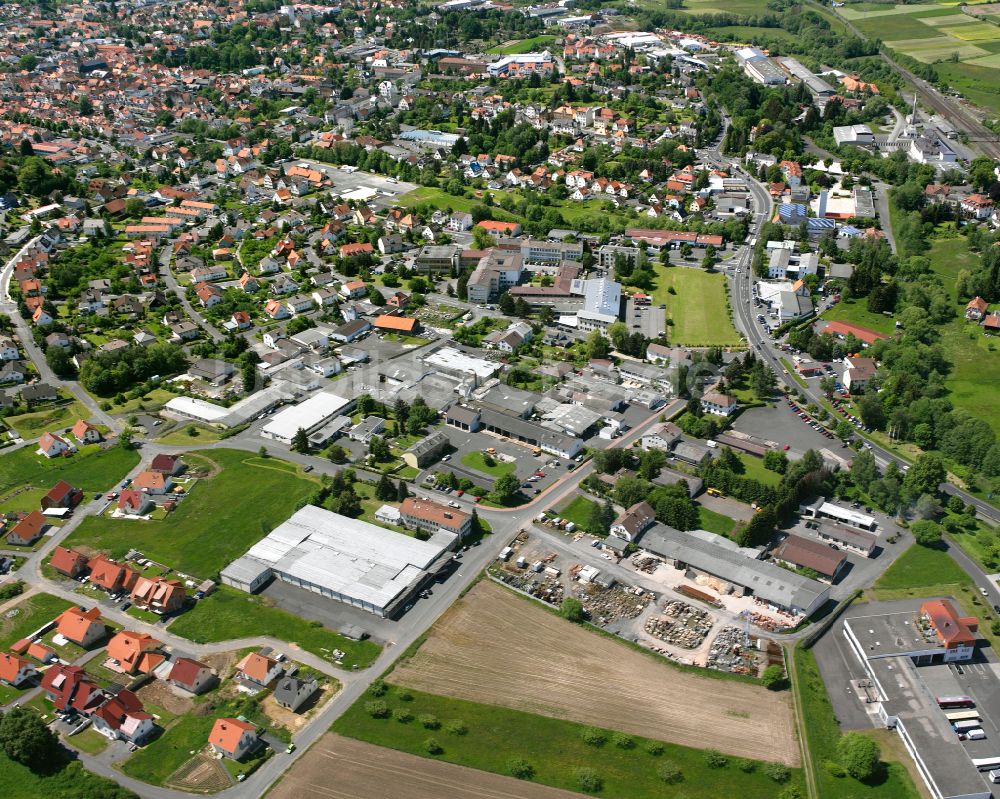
x=191 y=675
x=52 y=446
x=122 y=718
x=86 y=433
x=151 y=482
x=15 y=670
x=167 y=464
x=28 y=529
x=62 y=495
x=134 y=653
x=976 y=309
x=158 y=594
x=82 y=627
x=68 y=561
x=111 y=576
x=233 y=738
x=256 y=671
x=71 y=687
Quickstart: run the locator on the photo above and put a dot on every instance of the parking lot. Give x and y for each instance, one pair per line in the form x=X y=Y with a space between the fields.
x=782 y=425
x=377 y=190
x=650 y=320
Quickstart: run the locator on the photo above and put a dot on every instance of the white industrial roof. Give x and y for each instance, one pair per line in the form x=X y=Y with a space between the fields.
x=347 y=556
x=307 y=415
x=198 y=409
x=847 y=514
x=451 y=358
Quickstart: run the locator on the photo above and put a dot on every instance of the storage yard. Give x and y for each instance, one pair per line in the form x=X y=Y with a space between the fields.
x=365 y=771
x=498 y=648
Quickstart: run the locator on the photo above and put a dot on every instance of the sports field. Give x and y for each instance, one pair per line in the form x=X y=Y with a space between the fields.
x=499 y=648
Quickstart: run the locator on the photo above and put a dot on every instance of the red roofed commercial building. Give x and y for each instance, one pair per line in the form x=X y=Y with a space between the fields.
x=495 y=228
x=957 y=634
x=430 y=516
x=233 y=738
x=844 y=329
x=674 y=238
x=68 y=561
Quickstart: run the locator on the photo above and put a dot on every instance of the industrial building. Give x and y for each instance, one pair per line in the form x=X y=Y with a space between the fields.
x=821 y=509
x=896 y=649
x=220 y=416
x=310 y=415
x=345 y=559
x=759 y=67
x=729 y=568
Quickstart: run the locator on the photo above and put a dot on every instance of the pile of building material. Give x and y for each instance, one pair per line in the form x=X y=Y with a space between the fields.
x=645 y=563
x=606 y=605
x=733 y=651
x=537 y=585
x=680 y=624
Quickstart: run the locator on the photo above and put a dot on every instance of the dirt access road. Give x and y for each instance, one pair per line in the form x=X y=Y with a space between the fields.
x=342 y=768
x=498 y=648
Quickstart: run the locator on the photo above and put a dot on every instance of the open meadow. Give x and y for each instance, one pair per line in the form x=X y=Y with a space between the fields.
x=496 y=647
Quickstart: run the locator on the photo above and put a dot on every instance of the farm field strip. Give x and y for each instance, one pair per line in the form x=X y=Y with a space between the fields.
x=366 y=771
x=498 y=648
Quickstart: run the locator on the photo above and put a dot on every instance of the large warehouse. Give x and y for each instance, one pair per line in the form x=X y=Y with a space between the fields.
x=345 y=559
x=309 y=415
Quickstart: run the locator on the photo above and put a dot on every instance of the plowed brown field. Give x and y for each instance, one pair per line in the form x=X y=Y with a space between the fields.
x=498 y=648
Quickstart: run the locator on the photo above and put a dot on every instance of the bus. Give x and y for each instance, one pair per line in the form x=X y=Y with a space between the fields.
x=962 y=715
x=953 y=702
x=986 y=763
x=965 y=726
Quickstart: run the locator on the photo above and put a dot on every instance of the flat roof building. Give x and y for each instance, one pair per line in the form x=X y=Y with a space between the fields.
x=309 y=415
x=345 y=559
x=821 y=509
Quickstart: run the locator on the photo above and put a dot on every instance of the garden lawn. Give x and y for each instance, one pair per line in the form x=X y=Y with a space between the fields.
x=698 y=309
x=534 y=44
x=155 y=762
x=554 y=748
x=71 y=781
x=221 y=519
x=822 y=733
x=90 y=469
x=182 y=436
x=754 y=467
x=32 y=425
x=227 y=614
x=578 y=511
x=715 y=522
x=33 y=612
x=856 y=312
x=476 y=460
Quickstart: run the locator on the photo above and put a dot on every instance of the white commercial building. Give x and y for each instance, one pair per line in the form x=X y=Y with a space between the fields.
x=345 y=559
x=309 y=415
x=602 y=300
x=454 y=362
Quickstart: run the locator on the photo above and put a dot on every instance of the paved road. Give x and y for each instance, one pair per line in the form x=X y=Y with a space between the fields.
x=34 y=353
x=174 y=286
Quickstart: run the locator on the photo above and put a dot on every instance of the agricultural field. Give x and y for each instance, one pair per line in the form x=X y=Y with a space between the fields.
x=697 y=308
x=221 y=503
x=486 y=649
x=33 y=424
x=362 y=768
x=935 y=33
x=533 y=45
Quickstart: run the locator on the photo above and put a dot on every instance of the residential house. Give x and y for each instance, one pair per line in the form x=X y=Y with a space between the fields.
x=134 y=653
x=662 y=437
x=191 y=675
x=8 y=349
x=82 y=627
x=233 y=738
x=68 y=562
x=158 y=594
x=151 y=482
x=276 y=309
x=134 y=503
x=52 y=446
x=257 y=670
x=430 y=516
x=300 y=303
x=70 y=687
x=719 y=404
x=292 y=693
x=634 y=521
x=976 y=309
x=122 y=717
x=15 y=670
x=403 y=325
x=86 y=433
x=111 y=576
x=28 y=529
x=354 y=289
x=167 y=464
x=62 y=495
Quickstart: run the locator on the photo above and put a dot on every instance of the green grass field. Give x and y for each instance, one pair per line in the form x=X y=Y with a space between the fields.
x=476 y=460
x=182 y=436
x=856 y=312
x=157 y=761
x=923 y=571
x=822 y=733
x=698 y=309
x=32 y=613
x=555 y=749
x=32 y=425
x=89 y=469
x=533 y=45
x=578 y=512
x=223 y=517
x=228 y=614
x=71 y=781
x=754 y=468
x=715 y=522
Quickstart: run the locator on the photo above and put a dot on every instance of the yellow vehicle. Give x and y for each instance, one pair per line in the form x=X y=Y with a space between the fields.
x=713 y=492
x=491 y=451
x=536 y=452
